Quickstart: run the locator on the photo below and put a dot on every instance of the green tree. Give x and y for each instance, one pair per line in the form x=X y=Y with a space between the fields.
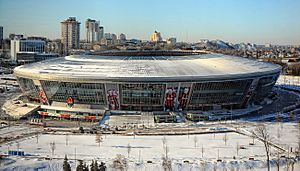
x=80 y=166
x=66 y=165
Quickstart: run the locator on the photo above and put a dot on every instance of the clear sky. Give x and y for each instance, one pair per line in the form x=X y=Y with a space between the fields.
x=255 y=21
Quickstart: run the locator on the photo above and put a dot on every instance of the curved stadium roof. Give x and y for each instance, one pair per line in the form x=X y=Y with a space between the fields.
x=90 y=68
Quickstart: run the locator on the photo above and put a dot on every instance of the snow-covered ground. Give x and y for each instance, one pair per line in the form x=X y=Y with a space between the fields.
x=287 y=81
x=18 y=130
x=286 y=135
x=150 y=148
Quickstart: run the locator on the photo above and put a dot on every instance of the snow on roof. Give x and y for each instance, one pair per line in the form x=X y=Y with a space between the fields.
x=147 y=68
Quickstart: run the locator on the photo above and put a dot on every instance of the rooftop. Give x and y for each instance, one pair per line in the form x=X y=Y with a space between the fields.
x=147 y=68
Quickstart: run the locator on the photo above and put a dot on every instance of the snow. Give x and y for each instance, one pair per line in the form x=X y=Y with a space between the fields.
x=289 y=82
x=175 y=67
x=181 y=148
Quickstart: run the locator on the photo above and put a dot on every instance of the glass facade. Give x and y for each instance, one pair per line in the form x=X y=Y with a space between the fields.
x=174 y=96
x=142 y=96
x=264 y=86
x=28 y=88
x=82 y=93
x=226 y=92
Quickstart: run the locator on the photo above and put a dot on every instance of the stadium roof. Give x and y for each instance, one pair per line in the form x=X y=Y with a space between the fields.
x=91 y=68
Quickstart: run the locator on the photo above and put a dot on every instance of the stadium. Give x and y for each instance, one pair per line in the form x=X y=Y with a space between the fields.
x=85 y=86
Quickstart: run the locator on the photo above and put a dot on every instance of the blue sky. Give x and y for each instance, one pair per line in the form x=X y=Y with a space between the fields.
x=255 y=21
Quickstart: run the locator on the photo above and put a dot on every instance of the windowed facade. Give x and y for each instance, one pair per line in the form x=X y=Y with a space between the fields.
x=220 y=93
x=82 y=93
x=28 y=88
x=168 y=96
x=145 y=97
x=264 y=86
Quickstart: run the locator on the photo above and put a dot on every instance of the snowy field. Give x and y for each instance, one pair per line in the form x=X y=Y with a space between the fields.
x=287 y=81
x=151 y=148
x=286 y=135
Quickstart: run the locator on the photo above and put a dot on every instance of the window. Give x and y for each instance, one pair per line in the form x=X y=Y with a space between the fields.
x=82 y=93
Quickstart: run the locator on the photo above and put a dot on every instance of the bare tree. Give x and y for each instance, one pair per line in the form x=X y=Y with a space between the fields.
x=166 y=151
x=278 y=133
x=292 y=116
x=278 y=117
x=237 y=149
x=297 y=151
x=277 y=160
x=52 y=147
x=128 y=150
x=67 y=139
x=203 y=165
x=262 y=133
x=225 y=138
x=18 y=145
x=253 y=138
x=167 y=163
x=298 y=148
x=292 y=161
x=202 y=151
x=119 y=163
x=98 y=139
x=195 y=141
x=164 y=141
x=37 y=138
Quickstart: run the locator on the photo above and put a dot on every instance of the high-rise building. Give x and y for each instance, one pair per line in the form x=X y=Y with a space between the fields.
x=1 y=33
x=109 y=39
x=107 y=36
x=70 y=34
x=113 y=36
x=122 y=36
x=1 y=37
x=171 y=41
x=54 y=46
x=101 y=33
x=155 y=37
x=92 y=30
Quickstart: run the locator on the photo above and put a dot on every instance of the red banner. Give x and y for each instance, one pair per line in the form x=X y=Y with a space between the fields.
x=65 y=115
x=43 y=113
x=90 y=117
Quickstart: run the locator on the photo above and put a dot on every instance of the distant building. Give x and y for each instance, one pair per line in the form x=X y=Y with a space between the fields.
x=54 y=46
x=92 y=30
x=101 y=33
x=155 y=37
x=70 y=34
x=109 y=39
x=171 y=41
x=45 y=56
x=25 y=45
x=13 y=36
x=114 y=38
x=1 y=37
x=107 y=36
x=1 y=33
x=37 y=38
x=29 y=57
x=122 y=36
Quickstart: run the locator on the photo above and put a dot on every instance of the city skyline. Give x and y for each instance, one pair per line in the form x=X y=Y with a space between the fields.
x=234 y=21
